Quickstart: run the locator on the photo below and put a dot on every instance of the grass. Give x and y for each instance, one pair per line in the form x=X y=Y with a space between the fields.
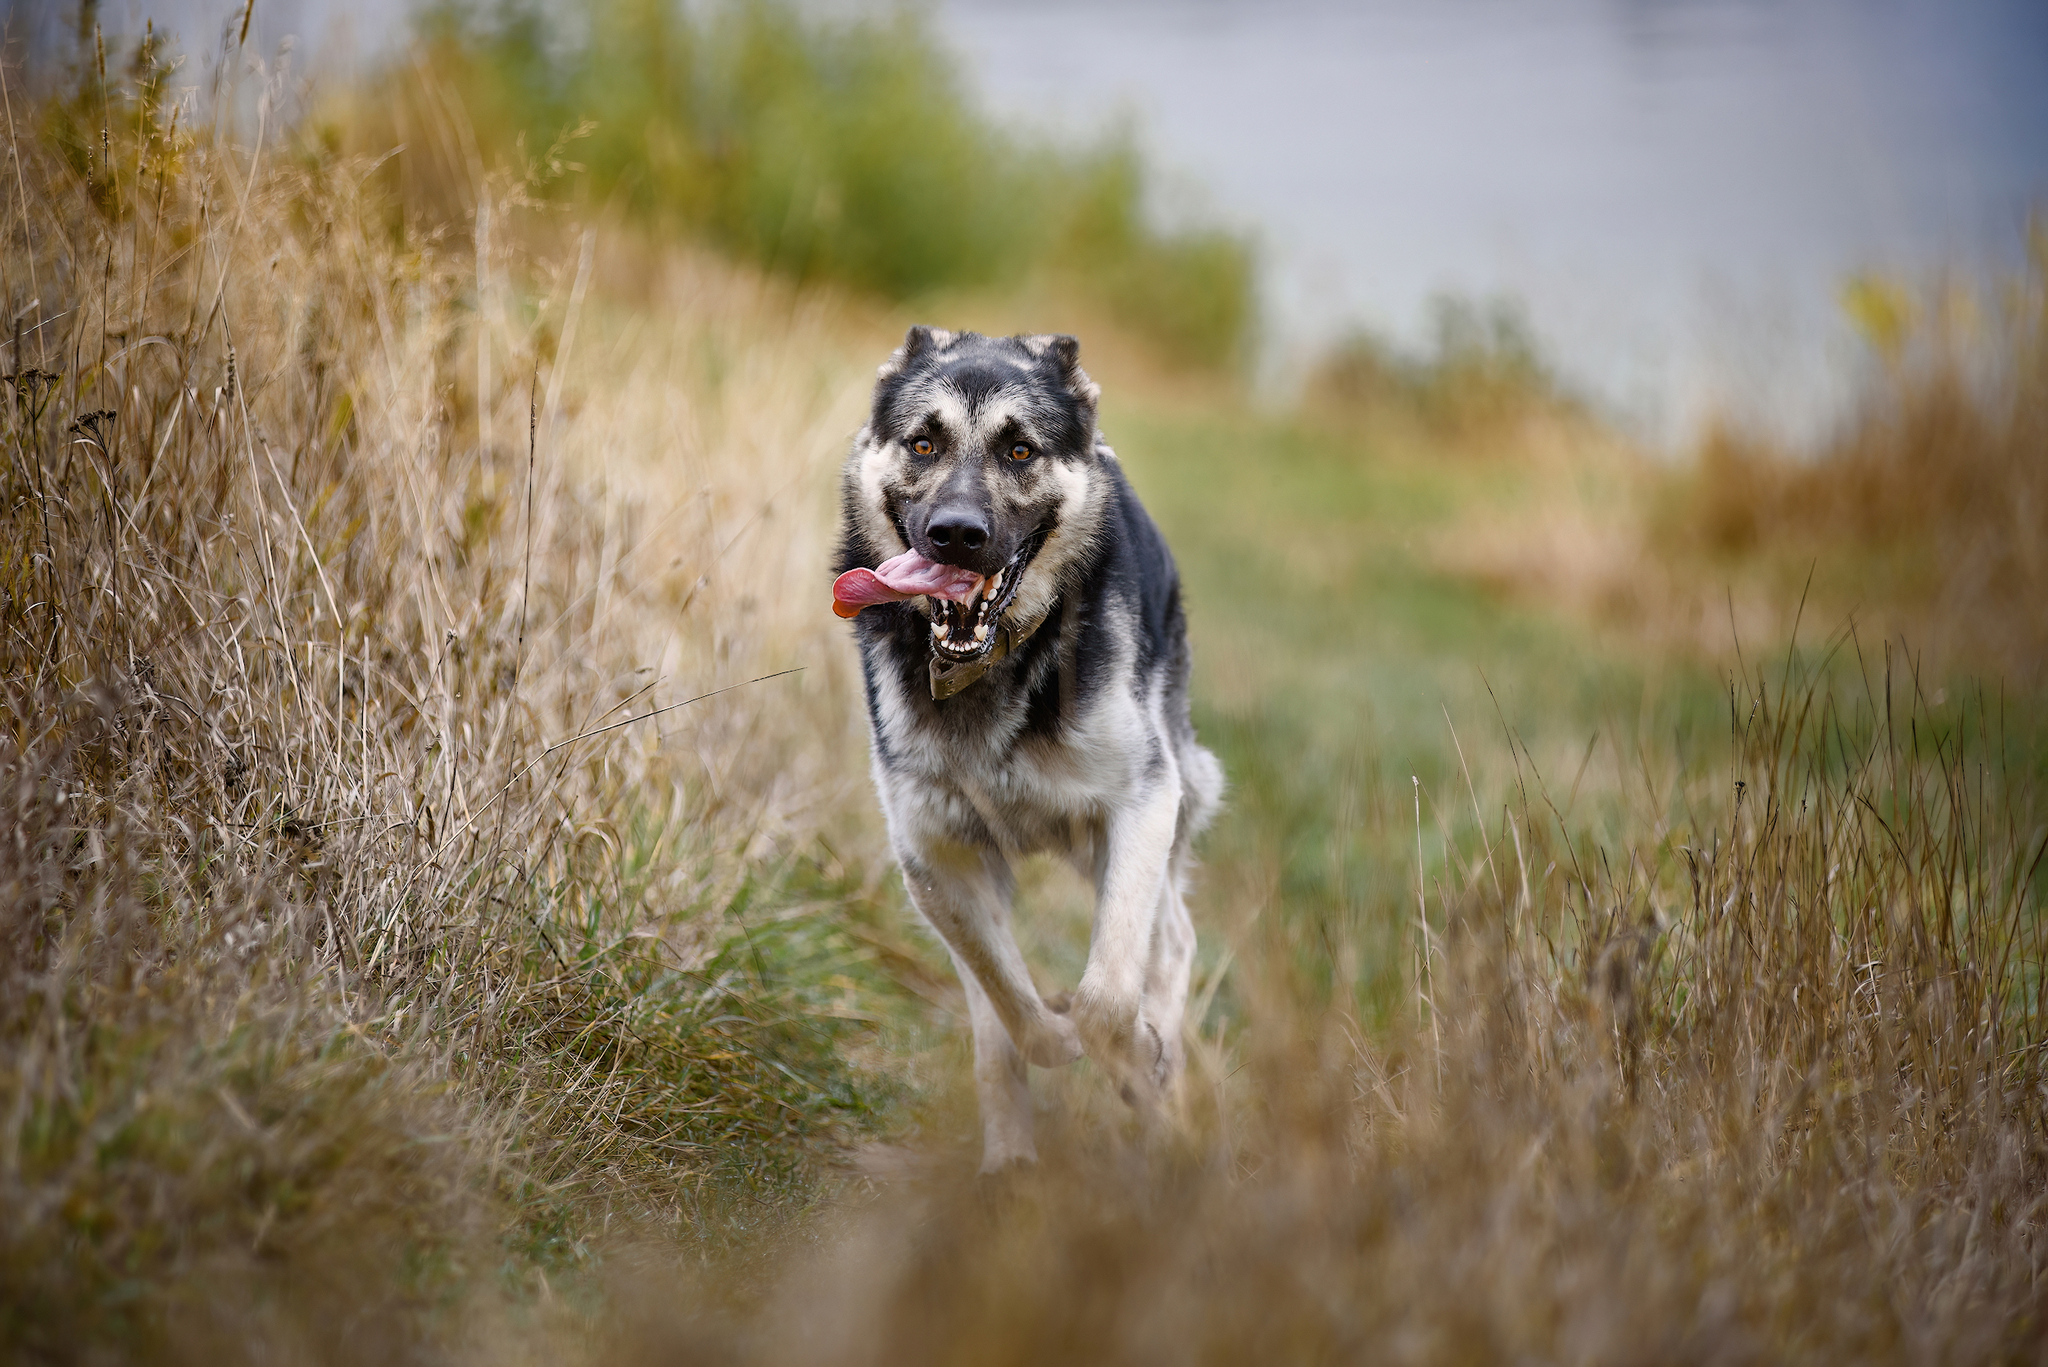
x=381 y=904
x=1338 y=658
x=387 y=976
x=1936 y=488
x=1483 y=370
x=1921 y=515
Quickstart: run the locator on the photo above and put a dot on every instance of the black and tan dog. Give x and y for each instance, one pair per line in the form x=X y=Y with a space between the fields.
x=1026 y=667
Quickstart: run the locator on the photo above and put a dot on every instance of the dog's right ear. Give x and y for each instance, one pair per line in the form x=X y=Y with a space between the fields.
x=916 y=343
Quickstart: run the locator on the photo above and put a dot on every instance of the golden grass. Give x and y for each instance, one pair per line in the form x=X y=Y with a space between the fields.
x=363 y=997
x=1934 y=494
x=1757 y=1079
x=373 y=882
x=1925 y=515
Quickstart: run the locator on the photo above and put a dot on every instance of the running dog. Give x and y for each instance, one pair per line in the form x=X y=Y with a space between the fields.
x=1025 y=661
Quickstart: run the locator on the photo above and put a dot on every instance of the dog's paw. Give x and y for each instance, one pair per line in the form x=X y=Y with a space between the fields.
x=1142 y=1063
x=1151 y=1076
x=1000 y=1188
x=1060 y=1003
x=1109 y=1028
x=1054 y=1043
x=1004 y=1165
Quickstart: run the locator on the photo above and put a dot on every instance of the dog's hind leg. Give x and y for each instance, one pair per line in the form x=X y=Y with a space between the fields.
x=1173 y=936
x=1166 y=984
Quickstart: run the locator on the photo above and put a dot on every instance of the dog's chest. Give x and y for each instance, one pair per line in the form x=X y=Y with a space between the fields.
x=1037 y=797
x=978 y=766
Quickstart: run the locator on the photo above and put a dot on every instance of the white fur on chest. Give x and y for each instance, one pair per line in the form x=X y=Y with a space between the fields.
x=1028 y=793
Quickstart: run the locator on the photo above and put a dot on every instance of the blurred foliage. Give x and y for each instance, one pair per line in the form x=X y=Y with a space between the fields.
x=115 y=130
x=1484 y=365
x=1883 y=311
x=1933 y=495
x=835 y=149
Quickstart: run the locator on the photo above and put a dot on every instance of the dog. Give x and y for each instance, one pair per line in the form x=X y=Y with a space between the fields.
x=1025 y=662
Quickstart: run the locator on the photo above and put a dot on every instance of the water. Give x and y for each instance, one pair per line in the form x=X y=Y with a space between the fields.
x=1674 y=189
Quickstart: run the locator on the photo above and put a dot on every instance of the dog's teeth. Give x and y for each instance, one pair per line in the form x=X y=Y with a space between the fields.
x=941 y=630
x=995 y=583
x=981 y=631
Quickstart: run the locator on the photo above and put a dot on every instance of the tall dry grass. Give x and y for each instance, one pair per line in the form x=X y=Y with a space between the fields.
x=1923 y=514
x=380 y=909
x=1752 y=1076
x=1934 y=493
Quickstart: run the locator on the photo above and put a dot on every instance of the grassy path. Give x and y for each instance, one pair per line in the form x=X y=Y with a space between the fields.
x=1336 y=663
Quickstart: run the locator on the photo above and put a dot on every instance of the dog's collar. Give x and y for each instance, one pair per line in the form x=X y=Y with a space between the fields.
x=948 y=679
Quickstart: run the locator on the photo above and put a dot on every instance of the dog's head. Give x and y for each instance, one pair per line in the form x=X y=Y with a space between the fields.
x=981 y=452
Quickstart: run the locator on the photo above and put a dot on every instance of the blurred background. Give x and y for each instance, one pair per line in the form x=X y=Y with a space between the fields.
x=1669 y=194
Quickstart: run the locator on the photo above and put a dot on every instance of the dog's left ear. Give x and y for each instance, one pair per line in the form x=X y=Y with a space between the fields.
x=1065 y=354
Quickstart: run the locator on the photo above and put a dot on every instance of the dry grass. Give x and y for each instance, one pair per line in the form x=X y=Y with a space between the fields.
x=363 y=997
x=1755 y=1077
x=377 y=902
x=1934 y=497
x=1924 y=516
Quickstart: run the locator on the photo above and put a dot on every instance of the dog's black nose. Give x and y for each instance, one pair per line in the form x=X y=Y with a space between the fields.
x=958 y=530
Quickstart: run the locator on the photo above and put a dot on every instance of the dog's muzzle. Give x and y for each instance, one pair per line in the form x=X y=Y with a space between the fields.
x=969 y=637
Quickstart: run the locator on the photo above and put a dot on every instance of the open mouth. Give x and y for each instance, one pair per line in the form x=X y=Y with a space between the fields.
x=967 y=631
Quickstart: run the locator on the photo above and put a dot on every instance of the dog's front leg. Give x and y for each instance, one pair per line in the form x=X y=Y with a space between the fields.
x=964 y=892
x=1000 y=1084
x=1107 y=1004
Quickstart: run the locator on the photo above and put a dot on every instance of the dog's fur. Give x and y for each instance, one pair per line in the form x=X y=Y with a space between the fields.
x=1076 y=742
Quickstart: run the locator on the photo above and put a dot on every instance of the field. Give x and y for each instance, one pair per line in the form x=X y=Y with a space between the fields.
x=445 y=917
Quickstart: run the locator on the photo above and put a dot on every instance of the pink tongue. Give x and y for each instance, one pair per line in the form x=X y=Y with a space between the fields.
x=905 y=576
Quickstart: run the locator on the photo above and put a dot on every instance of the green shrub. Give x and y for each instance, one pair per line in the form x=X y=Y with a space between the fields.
x=825 y=149
x=1484 y=365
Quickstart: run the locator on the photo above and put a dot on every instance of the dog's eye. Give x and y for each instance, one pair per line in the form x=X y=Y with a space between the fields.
x=1021 y=451
x=923 y=446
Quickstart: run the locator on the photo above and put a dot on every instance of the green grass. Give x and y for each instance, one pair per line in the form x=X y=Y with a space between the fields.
x=1336 y=665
